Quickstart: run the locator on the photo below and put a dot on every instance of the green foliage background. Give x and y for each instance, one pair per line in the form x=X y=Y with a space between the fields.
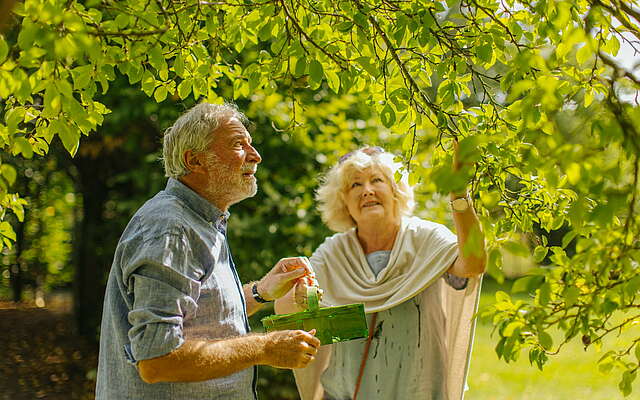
x=544 y=115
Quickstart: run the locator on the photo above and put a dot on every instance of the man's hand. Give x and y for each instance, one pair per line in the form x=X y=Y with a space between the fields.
x=286 y=273
x=290 y=349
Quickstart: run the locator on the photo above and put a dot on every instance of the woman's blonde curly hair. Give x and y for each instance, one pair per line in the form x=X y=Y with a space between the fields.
x=334 y=186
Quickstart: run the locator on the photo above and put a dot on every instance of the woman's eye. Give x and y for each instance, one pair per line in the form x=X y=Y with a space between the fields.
x=376 y=180
x=354 y=184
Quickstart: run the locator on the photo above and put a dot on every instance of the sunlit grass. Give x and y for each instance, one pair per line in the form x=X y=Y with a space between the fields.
x=572 y=374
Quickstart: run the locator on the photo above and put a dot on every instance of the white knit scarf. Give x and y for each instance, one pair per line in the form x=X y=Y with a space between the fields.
x=422 y=252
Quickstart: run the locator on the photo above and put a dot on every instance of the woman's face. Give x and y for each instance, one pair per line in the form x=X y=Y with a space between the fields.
x=370 y=196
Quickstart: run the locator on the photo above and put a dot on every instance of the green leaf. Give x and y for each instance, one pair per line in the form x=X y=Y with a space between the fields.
x=13 y=117
x=184 y=89
x=502 y=297
x=626 y=383
x=527 y=284
x=65 y=88
x=333 y=80
x=484 y=52
x=160 y=94
x=427 y=20
x=408 y=142
x=4 y=49
x=135 y=72
x=164 y=73
x=7 y=231
x=81 y=76
x=254 y=81
x=606 y=366
x=361 y=20
x=500 y=348
x=27 y=35
x=344 y=26
x=584 y=54
x=70 y=137
x=494 y=265
x=265 y=32
x=316 y=72
x=571 y=295
x=148 y=83
x=300 y=68
x=588 y=97
x=613 y=45
x=156 y=59
x=568 y=238
x=365 y=62
x=546 y=341
x=9 y=173
x=511 y=328
x=632 y=286
x=23 y=146
x=401 y=29
x=122 y=20
x=469 y=149
x=544 y=294
x=388 y=116
x=178 y=65
x=540 y=253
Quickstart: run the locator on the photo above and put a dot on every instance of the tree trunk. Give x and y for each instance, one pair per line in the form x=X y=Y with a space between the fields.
x=15 y=276
x=91 y=260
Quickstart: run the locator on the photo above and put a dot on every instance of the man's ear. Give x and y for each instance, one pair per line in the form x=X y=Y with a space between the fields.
x=194 y=161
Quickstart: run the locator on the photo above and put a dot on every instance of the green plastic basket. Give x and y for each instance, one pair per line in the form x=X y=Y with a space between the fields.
x=332 y=324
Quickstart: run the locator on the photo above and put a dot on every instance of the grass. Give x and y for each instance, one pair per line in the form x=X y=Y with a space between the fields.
x=572 y=374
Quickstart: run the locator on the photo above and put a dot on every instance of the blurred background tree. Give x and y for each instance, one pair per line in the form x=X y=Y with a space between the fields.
x=531 y=90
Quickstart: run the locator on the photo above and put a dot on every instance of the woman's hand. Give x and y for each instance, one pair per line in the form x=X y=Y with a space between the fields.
x=300 y=291
x=284 y=275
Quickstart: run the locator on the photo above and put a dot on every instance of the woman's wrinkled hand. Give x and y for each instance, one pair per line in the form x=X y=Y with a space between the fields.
x=284 y=275
x=300 y=291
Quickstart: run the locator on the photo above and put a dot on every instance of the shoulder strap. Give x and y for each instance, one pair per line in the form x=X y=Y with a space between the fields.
x=365 y=354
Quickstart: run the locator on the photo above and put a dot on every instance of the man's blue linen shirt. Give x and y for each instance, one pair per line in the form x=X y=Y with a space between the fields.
x=172 y=279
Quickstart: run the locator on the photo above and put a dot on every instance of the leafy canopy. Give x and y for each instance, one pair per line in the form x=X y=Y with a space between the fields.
x=530 y=89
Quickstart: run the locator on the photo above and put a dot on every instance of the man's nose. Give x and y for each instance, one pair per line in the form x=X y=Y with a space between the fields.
x=253 y=155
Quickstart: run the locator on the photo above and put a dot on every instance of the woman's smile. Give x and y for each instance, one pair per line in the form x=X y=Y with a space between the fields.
x=371 y=203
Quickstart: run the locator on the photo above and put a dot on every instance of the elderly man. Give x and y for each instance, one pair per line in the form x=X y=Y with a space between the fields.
x=174 y=323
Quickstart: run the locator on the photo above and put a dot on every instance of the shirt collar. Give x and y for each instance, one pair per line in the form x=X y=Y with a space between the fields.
x=198 y=203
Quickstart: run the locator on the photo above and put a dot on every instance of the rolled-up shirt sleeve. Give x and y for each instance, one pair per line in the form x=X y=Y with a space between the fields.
x=165 y=290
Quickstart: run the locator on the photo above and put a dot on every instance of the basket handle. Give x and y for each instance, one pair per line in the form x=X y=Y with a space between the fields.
x=312 y=298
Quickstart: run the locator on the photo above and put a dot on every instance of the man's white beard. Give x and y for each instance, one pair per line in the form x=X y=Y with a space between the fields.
x=228 y=185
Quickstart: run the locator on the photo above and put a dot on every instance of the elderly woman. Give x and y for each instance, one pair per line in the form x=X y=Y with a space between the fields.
x=418 y=281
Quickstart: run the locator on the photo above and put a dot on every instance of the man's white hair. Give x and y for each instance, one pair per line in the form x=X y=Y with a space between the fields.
x=194 y=131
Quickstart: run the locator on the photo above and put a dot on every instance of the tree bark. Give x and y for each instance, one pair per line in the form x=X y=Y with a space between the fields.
x=15 y=276
x=91 y=261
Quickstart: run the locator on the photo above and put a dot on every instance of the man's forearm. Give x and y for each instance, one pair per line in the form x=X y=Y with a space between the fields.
x=200 y=360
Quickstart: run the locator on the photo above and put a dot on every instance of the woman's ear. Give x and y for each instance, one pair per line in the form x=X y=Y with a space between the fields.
x=194 y=161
